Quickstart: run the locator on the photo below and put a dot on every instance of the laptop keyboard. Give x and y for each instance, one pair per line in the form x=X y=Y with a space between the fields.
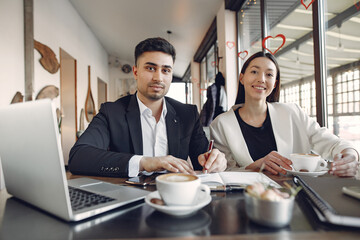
x=82 y=199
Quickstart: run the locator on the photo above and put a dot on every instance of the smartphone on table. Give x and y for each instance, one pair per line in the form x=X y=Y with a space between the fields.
x=143 y=180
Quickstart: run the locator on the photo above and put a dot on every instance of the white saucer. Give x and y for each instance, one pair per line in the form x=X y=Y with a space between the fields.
x=312 y=174
x=201 y=202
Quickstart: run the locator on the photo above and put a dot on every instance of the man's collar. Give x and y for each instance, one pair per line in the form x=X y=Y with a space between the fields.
x=143 y=107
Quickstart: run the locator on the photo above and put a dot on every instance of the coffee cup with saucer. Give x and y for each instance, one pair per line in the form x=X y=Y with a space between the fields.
x=181 y=194
x=308 y=164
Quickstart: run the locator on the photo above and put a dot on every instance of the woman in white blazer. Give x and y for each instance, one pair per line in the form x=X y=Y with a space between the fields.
x=258 y=130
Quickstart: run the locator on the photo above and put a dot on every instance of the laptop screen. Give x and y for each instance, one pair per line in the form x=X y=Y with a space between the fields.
x=31 y=155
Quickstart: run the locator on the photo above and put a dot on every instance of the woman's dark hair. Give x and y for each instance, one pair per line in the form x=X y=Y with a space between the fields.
x=275 y=94
x=154 y=45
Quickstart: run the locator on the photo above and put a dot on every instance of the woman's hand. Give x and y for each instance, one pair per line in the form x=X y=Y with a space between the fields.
x=273 y=163
x=345 y=163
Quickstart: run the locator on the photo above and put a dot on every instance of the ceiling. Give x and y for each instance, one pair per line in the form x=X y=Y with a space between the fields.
x=120 y=24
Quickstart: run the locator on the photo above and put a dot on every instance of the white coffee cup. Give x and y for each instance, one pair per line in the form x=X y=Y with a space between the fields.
x=180 y=189
x=308 y=162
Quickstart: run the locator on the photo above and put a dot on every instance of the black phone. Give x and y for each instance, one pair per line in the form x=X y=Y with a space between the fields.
x=143 y=180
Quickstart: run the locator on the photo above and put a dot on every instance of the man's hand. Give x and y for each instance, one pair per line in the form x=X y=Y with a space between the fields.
x=273 y=163
x=214 y=161
x=170 y=163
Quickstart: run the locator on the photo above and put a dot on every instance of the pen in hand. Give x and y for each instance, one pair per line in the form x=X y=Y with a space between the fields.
x=211 y=144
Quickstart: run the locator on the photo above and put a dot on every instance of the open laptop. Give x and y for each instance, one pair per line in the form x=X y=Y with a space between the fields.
x=34 y=171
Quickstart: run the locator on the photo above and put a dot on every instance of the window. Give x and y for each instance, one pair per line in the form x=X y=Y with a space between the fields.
x=203 y=82
x=249 y=30
x=343 y=64
x=293 y=19
x=208 y=72
x=211 y=65
x=296 y=56
x=176 y=91
x=188 y=92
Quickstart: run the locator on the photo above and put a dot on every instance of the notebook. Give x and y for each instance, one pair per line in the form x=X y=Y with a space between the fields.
x=228 y=181
x=329 y=202
x=33 y=166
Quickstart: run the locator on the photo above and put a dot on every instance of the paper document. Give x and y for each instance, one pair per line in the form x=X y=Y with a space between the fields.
x=227 y=181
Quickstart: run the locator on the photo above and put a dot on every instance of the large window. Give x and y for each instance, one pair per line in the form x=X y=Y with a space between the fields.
x=296 y=57
x=208 y=72
x=249 y=30
x=177 y=91
x=289 y=28
x=203 y=82
x=343 y=64
x=293 y=19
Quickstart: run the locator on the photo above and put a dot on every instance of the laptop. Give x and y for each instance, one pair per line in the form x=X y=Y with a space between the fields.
x=34 y=171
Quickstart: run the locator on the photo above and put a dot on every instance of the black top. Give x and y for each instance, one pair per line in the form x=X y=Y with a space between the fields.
x=259 y=140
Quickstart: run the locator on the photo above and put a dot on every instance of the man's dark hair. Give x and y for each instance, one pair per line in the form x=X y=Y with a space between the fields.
x=154 y=45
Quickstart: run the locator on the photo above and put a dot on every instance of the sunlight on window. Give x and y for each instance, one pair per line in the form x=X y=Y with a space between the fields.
x=177 y=91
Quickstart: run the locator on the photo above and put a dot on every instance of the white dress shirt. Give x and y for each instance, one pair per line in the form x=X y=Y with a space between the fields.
x=154 y=137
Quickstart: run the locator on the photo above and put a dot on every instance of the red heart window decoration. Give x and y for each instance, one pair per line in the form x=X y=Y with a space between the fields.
x=230 y=44
x=243 y=54
x=357 y=5
x=279 y=35
x=302 y=2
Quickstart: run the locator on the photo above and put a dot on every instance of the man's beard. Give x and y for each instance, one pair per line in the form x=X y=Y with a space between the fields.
x=155 y=95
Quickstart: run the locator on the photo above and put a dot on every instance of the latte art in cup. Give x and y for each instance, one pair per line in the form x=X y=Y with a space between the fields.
x=175 y=177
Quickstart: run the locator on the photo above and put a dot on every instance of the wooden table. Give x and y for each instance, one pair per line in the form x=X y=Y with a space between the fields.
x=224 y=218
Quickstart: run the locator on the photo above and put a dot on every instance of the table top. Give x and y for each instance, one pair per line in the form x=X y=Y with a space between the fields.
x=223 y=218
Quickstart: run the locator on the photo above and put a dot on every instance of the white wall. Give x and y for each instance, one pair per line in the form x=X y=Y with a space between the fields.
x=226 y=34
x=195 y=80
x=120 y=82
x=227 y=43
x=12 y=50
x=58 y=25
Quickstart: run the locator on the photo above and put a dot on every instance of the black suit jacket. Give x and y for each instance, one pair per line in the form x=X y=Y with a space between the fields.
x=114 y=136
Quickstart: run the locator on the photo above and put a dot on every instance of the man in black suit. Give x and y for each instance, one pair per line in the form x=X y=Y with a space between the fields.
x=145 y=131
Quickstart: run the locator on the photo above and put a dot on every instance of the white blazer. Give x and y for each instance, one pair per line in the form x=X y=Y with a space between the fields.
x=294 y=131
